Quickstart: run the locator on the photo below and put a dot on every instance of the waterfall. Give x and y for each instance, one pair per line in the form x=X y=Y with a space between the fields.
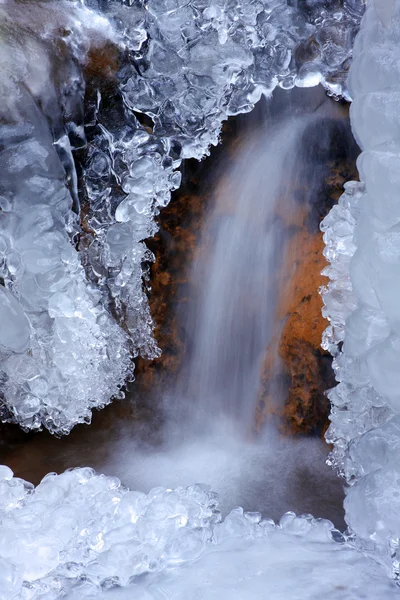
x=243 y=245
x=242 y=264
x=238 y=271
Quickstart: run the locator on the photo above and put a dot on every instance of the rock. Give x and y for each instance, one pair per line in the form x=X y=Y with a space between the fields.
x=296 y=371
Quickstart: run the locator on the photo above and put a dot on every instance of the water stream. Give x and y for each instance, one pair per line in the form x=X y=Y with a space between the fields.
x=232 y=319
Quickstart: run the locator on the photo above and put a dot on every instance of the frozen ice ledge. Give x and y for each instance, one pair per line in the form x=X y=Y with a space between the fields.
x=82 y=536
x=85 y=172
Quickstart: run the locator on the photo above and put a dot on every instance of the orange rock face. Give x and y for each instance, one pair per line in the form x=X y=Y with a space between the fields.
x=296 y=371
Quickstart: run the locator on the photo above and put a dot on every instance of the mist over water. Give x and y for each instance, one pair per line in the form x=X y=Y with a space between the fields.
x=272 y=474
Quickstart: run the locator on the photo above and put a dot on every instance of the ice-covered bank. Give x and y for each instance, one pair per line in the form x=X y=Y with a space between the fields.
x=362 y=300
x=80 y=535
x=61 y=351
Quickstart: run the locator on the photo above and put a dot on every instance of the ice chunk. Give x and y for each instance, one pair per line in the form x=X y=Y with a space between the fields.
x=365 y=405
x=61 y=352
x=82 y=535
x=15 y=329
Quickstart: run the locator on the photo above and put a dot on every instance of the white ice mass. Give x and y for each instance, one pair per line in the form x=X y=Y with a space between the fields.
x=80 y=535
x=363 y=246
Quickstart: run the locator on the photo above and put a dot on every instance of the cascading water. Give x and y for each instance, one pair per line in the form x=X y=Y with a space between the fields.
x=239 y=268
x=232 y=319
x=242 y=265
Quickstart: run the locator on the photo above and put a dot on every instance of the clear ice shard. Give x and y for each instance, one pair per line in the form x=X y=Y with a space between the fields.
x=82 y=535
x=362 y=237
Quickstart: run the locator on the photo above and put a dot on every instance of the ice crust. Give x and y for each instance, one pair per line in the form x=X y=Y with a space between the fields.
x=361 y=300
x=73 y=260
x=82 y=535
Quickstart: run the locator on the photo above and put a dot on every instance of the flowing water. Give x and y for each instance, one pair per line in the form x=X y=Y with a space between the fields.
x=232 y=319
x=238 y=273
x=242 y=263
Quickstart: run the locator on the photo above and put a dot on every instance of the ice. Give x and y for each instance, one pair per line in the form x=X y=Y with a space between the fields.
x=15 y=330
x=61 y=351
x=83 y=535
x=361 y=300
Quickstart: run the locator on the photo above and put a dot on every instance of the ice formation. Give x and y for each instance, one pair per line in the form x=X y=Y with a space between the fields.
x=362 y=300
x=79 y=534
x=61 y=352
x=72 y=266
